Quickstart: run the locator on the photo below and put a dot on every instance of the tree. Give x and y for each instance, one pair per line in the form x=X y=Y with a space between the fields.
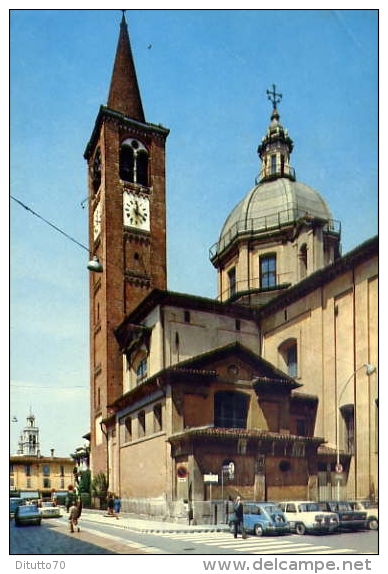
x=99 y=486
x=84 y=482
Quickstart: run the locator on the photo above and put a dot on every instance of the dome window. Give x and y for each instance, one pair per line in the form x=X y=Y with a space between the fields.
x=303 y=261
x=268 y=271
x=273 y=164
x=232 y=281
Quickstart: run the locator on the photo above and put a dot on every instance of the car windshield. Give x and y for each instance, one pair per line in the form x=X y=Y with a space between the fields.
x=46 y=504
x=273 y=508
x=344 y=506
x=367 y=504
x=336 y=506
x=308 y=507
x=252 y=509
x=27 y=509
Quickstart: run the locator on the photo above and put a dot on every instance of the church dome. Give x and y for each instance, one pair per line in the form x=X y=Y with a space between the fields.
x=277 y=200
x=272 y=204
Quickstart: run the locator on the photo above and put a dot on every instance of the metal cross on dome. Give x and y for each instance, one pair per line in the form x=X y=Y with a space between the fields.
x=273 y=96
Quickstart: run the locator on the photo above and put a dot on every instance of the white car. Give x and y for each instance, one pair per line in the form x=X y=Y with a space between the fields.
x=306 y=516
x=372 y=512
x=49 y=510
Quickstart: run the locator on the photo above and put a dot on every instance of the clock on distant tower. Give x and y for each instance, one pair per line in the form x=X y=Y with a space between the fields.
x=136 y=211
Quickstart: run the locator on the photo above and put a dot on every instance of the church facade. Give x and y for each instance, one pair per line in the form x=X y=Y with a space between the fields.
x=268 y=391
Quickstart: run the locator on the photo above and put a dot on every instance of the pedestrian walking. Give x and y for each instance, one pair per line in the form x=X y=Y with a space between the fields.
x=110 y=504
x=117 y=505
x=70 y=498
x=74 y=514
x=238 y=518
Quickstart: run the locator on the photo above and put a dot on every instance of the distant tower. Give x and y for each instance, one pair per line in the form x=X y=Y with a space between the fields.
x=127 y=229
x=29 y=439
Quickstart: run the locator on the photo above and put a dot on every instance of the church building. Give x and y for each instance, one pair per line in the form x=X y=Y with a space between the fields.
x=268 y=391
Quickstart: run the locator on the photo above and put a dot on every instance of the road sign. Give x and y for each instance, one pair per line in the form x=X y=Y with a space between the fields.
x=338 y=468
x=210 y=478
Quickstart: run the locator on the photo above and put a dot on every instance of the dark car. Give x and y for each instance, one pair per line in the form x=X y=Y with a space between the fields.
x=349 y=519
x=28 y=514
x=14 y=502
x=263 y=518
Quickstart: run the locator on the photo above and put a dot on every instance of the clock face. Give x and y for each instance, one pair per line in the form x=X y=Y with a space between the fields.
x=136 y=211
x=97 y=221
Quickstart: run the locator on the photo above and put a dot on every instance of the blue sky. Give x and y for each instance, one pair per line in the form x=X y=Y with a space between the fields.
x=203 y=74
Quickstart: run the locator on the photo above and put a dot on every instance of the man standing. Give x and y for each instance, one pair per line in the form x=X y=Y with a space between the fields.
x=238 y=517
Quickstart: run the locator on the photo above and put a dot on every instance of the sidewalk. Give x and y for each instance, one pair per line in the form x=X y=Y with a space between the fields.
x=147 y=525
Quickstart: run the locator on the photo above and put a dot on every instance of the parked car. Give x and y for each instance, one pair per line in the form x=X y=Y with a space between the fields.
x=49 y=510
x=14 y=502
x=372 y=512
x=263 y=518
x=306 y=516
x=28 y=514
x=349 y=519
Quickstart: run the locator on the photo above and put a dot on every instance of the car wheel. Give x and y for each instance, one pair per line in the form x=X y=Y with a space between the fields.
x=300 y=528
x=258 y=530
x=373 y=524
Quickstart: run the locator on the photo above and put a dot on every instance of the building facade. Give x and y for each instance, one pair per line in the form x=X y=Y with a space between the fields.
x=36 y=475
x=263 y=392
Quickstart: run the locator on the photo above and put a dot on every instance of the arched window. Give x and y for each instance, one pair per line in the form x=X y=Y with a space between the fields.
x=230 y=409
x=134 y=162
x=158 y=421
x=96 y=171
x=142 y=167
x=127 y=163
x=141 y=370
x=289 y=352
x=347 y=430
x=303 y=261
x=141 y=423
x=232 y=281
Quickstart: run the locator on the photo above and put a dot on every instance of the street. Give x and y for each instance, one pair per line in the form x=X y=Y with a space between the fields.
x=53 y=538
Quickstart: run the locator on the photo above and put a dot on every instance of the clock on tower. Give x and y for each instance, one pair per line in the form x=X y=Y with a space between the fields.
x=136 y=211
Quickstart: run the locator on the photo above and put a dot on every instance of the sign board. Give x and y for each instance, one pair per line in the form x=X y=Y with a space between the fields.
x=210 y=478
x=339 y=477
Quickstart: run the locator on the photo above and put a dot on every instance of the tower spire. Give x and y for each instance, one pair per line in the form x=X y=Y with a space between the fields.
x=124 y=93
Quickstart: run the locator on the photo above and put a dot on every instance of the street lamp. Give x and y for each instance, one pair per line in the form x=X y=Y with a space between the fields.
x=369 y=370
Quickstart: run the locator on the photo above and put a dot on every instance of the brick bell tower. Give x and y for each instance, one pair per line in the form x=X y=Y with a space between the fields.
x=127 y=230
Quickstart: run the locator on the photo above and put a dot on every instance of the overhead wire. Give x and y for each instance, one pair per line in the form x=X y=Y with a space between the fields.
x=51 y=224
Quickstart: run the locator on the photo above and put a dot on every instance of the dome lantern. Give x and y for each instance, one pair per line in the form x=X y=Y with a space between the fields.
x=276 y=146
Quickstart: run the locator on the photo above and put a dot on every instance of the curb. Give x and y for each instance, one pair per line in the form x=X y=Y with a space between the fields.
x=153 y=530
